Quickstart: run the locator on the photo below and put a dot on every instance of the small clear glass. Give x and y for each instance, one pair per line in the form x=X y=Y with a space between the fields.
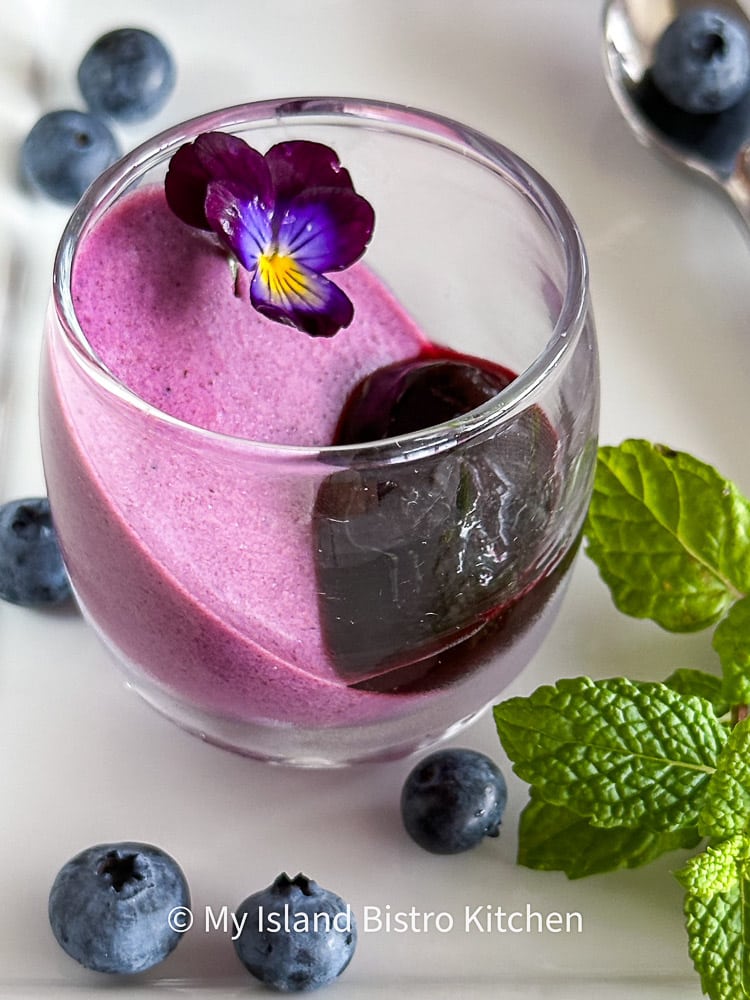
x=218 y=570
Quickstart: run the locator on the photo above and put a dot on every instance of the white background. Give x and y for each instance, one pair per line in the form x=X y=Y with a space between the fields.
x=83 y=761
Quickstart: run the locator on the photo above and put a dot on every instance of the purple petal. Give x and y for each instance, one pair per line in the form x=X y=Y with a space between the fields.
x=298 y=164
x=185 y=187
x=326 y=229
x=213 y=156
x=289 y=293
x=242 y=225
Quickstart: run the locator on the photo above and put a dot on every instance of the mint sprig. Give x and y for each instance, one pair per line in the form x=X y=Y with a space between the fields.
x=717 y=917
x=623 y=771
x=669 y=535
x=718 y=942
x=623 y=754
x=554 y=838
x=698 y=682
x=726 y=807
x=731 y=643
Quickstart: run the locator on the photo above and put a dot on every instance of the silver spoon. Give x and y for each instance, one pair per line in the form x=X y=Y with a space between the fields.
x=717 y=145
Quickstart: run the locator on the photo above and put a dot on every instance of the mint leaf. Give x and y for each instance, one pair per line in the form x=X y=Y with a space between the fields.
x=716 y=869
x=552 y=838
x=669 y=535
x=732 y=642
x=702 y=684
x=718 y=942
x=621 y=753
x=726 y=807
x=717 y=916
x=717 y=901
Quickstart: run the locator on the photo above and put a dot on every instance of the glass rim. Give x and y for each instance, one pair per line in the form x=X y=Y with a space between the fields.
x=379 y=115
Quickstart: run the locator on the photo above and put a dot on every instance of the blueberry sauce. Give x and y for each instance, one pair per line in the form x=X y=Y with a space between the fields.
x=425 y=566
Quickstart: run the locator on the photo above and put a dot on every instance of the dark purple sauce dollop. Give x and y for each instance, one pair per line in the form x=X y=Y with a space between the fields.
x=435 y=552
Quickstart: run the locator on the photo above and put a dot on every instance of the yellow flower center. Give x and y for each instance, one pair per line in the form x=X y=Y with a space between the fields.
x=283 y=276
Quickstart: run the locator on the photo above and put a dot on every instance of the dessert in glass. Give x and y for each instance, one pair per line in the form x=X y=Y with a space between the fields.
x=320 y=540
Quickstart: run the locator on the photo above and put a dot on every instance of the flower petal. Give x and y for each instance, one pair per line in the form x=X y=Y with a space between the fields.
x=290 y=293
x=213 y=156
x=326 y=229
x=298 y=164
x=185 y=187
x=286 y=217
x=243 y=225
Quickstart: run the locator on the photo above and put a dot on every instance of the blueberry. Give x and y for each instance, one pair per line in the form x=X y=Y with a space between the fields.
x=65 y=151
x=702 y=61
x=127 y=74
x=110 y=906
x=294 y=935
x=31 y=566
x=453 y=799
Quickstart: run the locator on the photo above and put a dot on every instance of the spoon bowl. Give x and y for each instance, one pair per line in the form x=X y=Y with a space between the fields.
x=715 y=145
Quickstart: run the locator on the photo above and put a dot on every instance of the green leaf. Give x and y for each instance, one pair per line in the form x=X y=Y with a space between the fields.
x=717 y=916
x=619 y=752
x=552 y=838
x=702 y=684
x=732 y=642
x=716 y=869
x=669 y=535
x=718 y=942
x=726 y=806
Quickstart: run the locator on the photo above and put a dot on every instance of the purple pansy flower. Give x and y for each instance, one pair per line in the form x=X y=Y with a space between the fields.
x=288 y=217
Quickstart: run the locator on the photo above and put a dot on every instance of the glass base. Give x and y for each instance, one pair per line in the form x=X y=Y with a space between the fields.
x=298 y=747
x=426 y=721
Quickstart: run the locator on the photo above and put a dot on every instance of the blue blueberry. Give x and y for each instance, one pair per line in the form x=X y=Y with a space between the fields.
x=294 y=935
x=65 y=151
x=31 y=566
x=110 y=906
x=453 y=799
x=702 y=61
x=127 y=74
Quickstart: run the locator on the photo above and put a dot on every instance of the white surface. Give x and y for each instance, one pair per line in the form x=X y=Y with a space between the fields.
x=82 y=760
